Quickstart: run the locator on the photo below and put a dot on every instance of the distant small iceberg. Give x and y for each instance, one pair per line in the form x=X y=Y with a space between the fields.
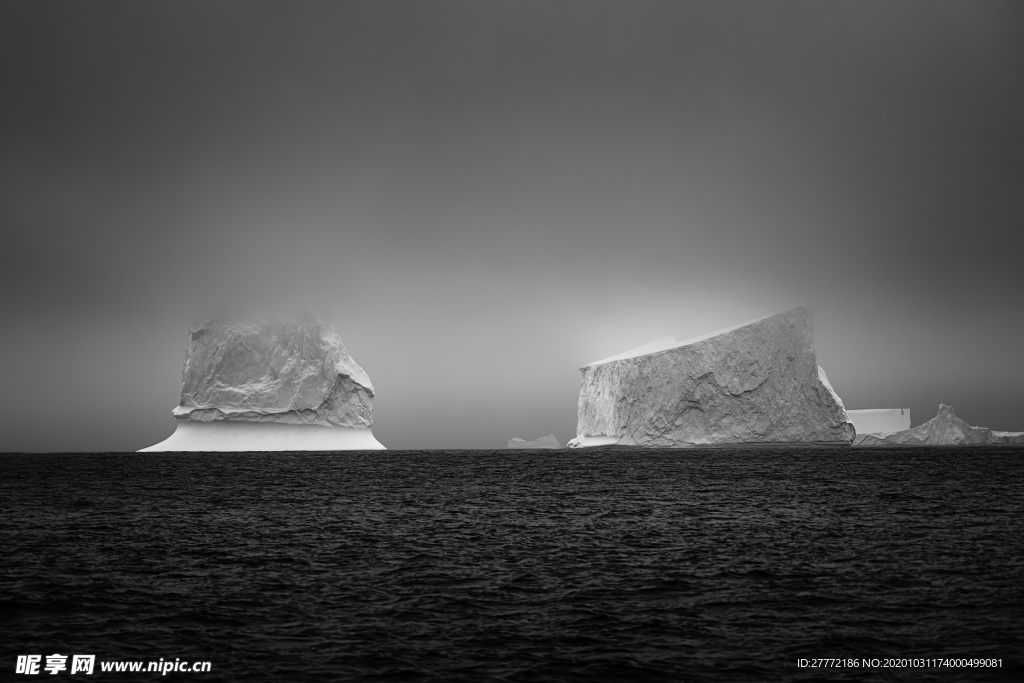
x=945 y=429
x=879 y=421
x=548 y=441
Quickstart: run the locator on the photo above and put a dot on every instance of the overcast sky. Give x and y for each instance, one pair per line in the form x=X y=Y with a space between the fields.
x=482 y=197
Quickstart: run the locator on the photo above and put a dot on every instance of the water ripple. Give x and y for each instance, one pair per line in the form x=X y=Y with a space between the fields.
x=518 y=566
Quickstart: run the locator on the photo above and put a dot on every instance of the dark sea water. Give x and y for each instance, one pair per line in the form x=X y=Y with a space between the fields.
x=714 y=565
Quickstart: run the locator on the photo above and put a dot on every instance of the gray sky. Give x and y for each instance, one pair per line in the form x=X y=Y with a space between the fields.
x=483 y=197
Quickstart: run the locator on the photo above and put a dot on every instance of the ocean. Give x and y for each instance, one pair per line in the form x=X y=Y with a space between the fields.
x=641 y=565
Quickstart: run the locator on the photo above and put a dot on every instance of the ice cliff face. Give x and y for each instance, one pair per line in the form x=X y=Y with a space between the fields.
x=754 y=383
x=945 y=429
x=286 y=372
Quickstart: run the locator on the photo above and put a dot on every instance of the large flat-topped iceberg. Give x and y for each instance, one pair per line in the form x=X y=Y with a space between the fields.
x=271 y=386
x=755 y=383
x=879 y=421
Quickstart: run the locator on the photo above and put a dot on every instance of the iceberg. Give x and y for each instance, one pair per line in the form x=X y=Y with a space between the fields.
x=879 y=421
x=271 y=386
x=548 y=441
x=753 y=383
x=945 y=429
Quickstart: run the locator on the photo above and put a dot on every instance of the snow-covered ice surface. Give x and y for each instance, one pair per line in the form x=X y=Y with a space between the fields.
x=666 y=343
x=265 y=436
x=593 y=441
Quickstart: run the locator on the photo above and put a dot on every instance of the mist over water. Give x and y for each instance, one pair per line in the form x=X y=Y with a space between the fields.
x=481 y=197
x=529 y=566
